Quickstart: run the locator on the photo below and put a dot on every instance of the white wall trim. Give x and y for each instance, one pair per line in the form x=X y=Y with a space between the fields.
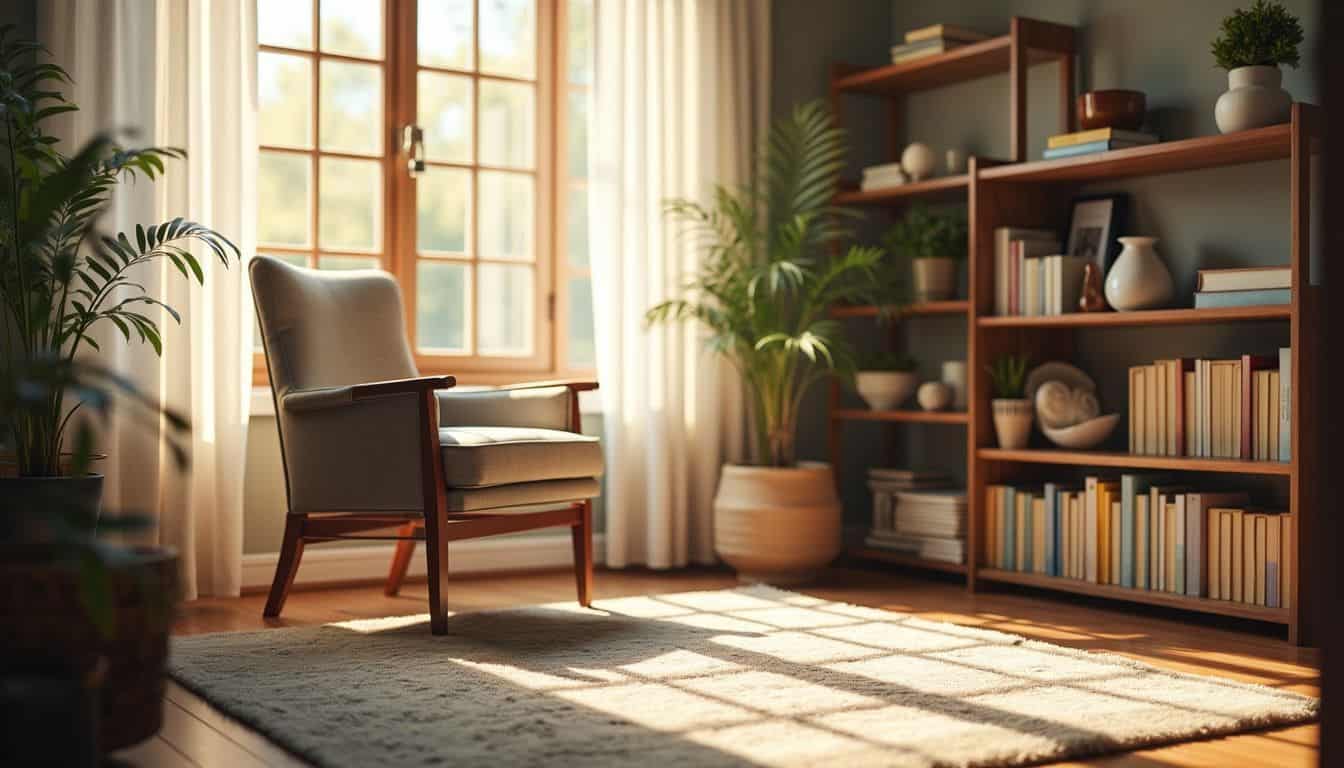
x=371 y=562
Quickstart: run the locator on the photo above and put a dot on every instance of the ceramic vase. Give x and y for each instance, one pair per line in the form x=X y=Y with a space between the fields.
x=954 y=376
x=1255 y=98
x=917 y=161
x=1138 y=279
x=935 y=278
x=1012 y=422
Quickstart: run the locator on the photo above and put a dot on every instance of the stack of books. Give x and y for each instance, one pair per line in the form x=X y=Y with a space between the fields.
x=1249 y=287
x=915 y=512
x=1142 y=532
x=930 y=41
x=1237 y=408
x=1093 y=141
x=1021 y=285
x=882 y=177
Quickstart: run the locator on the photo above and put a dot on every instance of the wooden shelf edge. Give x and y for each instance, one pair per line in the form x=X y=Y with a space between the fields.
x=909 y=561
x=954 y=307
x=1134 y=461
x=940 y=185
x=1149 y=597
x=1141 y=318
x=918 y=417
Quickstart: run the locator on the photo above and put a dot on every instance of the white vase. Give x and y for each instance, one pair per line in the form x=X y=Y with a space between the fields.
x=1138 y=279
x=917 y=161
x=1255 y=98
x=777 y=525
x=954 y=376
x=884 y=390
x=935 y=278
x=1012 y=422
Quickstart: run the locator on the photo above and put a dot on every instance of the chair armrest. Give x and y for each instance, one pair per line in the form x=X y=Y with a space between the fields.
x=574 y=385
x=335 y=397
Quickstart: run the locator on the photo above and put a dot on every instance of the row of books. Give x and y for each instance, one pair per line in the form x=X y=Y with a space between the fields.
x=933 y=40
x=1031 y=277
x=1244 y=287
x=1094 y=141
x=915 y=513
x=1142 y=532
x=882 y=176
x=1237 y=408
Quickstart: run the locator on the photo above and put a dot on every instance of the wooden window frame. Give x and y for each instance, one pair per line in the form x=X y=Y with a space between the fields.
x=400 y=68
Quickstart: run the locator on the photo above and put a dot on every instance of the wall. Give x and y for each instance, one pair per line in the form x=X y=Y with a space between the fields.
x=23 y=15
x=1228 y=217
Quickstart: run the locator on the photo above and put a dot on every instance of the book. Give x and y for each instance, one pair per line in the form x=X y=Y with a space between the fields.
x=1260 y=415
x=1003 y=238
x=1149 y=561
x=1274 y=426
x=1038 y=537
x=1022 y=516
x=1210 y=300
x=1244 y=279
x=1090 y=529
x=1186 y=443
x=1098 y=134
x=1249 y=365
x=947 y=31
x=1237 y=553
x=1286 y=561
x=1171 y=568
x=922 y=48
x=1049 y=494
x=1225 y=546
x=1213 y=587
x=1200 y=538
x=1182 y=551
x=1273 y=553
x=1160 y=523
x=1009 y=539
x=1151 y=438
x=1114 y=528
x=1248 y=557
x=1022 y=250
x=1261 y=557
x=1089 y=148
x=1285 y=403
x=1063 y=283
x=1132 y=486
x=1137 y=407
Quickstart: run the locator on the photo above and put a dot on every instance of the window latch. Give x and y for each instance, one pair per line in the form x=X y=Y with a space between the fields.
x=413 y=144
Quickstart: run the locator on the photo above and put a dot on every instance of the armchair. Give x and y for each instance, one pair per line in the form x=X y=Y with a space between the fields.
x=373 y=451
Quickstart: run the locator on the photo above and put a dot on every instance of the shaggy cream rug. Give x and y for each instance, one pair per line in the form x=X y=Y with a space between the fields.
x=751 y=676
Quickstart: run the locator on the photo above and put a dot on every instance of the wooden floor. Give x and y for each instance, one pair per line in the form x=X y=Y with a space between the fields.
x=195 y=734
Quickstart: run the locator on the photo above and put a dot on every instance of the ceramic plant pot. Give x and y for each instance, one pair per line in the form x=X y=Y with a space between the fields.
x=1012 y=422
x=80 y=497
x=884 y=390
x=1255 y=98
x=777 y=525
x=935 y=278
x=1138 y=279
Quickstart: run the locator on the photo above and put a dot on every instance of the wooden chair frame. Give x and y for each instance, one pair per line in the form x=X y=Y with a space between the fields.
x=438 y=526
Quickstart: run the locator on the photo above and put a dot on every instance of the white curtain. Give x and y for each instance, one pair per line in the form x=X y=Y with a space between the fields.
x=680 y=101
x=177 y=73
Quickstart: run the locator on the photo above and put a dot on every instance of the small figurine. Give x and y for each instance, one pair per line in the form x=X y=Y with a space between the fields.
x=1091 y=299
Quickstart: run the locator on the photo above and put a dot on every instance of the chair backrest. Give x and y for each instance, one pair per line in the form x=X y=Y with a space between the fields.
x=329 y=328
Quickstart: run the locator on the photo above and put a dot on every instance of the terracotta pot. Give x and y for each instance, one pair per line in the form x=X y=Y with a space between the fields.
x=43 y=610
x=935 y=278
x=777 y=525
x=1012 y=422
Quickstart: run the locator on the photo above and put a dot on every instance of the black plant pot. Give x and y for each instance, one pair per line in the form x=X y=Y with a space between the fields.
x=49 y=716
x=79 y=497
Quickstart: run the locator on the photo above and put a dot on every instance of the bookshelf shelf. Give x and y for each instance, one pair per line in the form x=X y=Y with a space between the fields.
x=1142 y=318
x=1135 y=461
x=916 y=417
x=1148 y=597
x=968 y=62
x=958 y=307
x=943 y=187
x=1253 y=146
x=909 y=561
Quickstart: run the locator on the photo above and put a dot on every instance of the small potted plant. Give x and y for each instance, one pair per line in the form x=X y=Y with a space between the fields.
x=1013 y=412
x=934 y=242
x=886 y=380
x=1251 y=46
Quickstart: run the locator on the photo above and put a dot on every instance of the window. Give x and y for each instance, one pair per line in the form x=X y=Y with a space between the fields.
x=487 y=234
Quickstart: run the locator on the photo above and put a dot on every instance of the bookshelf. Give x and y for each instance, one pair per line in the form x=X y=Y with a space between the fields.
x=1029 y=42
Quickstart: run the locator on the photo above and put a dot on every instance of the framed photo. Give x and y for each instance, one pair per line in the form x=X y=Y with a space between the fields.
x=1095 y=224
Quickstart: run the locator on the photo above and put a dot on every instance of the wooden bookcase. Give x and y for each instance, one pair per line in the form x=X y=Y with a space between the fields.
x=1040 y=194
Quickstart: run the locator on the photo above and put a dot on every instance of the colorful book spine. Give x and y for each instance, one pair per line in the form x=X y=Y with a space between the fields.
x=1089 y=148
x=1285 y=403
x=1097 y=135
x=1274 y=296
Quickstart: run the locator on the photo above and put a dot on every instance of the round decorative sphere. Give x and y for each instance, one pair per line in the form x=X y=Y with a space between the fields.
x=934 y=395
x=918 y=161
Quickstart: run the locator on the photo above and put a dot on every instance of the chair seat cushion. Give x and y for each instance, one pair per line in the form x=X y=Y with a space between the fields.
x=476 y=457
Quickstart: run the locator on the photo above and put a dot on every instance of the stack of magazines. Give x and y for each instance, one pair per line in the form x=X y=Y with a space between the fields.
x=916 y=513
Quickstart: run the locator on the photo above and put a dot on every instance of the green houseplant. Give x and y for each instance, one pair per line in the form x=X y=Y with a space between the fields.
x=1013 y=413
x=934 y=242
x=766 y=281
x=86 y=604
x=1251 y=45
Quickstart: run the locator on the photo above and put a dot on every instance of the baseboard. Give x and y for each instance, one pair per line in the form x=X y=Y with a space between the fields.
x=370 y=563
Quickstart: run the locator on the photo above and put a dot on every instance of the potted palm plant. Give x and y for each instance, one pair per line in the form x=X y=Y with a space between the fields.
x=935 y=243
x=1252 y=44
x=763 y=289
x=1013 y=412
x=78 y=603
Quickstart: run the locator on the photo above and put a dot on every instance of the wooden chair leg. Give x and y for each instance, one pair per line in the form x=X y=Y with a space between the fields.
x=582 y=535
x=436 y=556
x=291 y=551
x=400 y=561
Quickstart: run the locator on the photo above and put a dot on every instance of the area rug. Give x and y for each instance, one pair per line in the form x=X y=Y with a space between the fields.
x=750 y=676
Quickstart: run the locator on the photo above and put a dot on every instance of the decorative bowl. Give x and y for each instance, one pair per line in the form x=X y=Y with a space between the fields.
x=1111 y=109
x=1088 y=434
x=884 y=390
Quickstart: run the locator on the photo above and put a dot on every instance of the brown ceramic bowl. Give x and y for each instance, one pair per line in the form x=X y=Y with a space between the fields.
x=1111 y=109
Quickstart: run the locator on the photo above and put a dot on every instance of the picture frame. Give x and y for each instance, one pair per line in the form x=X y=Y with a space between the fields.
x=1095 y=221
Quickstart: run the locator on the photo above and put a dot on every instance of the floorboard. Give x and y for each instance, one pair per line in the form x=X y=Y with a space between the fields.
x=195 y=734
